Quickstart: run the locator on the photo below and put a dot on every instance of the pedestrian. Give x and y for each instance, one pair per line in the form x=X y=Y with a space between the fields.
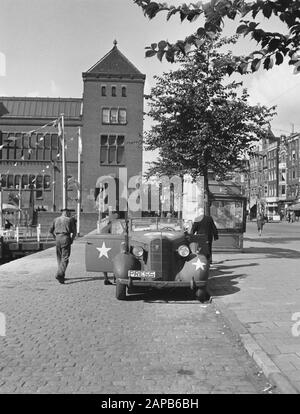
x=260 y=223
x=63 y=230
x=106 y=228
x=205 y=225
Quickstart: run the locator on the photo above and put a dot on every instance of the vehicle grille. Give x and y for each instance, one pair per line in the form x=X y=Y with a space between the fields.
x=160 y=258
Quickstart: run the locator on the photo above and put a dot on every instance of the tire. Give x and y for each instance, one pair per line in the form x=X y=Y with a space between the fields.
x=202 y=295
x=120 y=290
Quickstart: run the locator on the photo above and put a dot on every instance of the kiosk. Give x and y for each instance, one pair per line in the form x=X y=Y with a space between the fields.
x=228 y=209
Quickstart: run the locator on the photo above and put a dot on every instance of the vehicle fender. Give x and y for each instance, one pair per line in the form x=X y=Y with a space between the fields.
x=123 y=262
x=196 y=266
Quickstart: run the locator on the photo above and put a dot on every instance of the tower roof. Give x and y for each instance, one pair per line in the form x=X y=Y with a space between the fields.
x=114 y=63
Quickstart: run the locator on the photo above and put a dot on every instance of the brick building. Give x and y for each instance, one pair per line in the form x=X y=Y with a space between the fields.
x=273 y=175
x=110 y=114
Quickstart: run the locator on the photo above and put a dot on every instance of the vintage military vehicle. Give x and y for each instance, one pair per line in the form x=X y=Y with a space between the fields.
x=149 y=253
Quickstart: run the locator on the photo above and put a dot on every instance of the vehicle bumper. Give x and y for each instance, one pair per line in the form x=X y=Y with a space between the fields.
x=160 y=284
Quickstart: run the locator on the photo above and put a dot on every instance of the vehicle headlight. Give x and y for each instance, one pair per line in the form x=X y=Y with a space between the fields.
x=138 y=251
x=183 y=251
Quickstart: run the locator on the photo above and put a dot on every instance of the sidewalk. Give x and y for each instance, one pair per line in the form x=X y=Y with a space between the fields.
x=258 y=292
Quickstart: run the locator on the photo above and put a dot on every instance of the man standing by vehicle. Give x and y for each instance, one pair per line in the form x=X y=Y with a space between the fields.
x=63 y=230
x=106 y=228
x=205 y=225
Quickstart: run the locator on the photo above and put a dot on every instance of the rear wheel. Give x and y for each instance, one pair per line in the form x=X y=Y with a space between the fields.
x=120 y=290
x=202 y=295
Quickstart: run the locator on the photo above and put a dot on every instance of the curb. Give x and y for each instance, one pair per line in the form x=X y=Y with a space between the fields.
x=269 y=368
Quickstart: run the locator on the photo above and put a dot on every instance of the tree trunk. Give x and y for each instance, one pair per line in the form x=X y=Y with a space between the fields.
x=206 y=194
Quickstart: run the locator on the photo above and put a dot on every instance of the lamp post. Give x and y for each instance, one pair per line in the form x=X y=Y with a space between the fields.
x=20 y=200
x=64 y=164
x=1 y=202
x=79 y=180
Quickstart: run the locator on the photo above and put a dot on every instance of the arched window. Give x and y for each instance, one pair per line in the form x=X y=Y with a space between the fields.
x=24 y=181
x=39 y=182
x=32 y=180
x=103 y=90
x=17 y=181
x=47 y=180
x=113 y=91
x=3 y=180
x=124 y=91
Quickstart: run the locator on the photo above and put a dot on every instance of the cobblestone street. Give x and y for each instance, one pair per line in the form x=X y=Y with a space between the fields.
x=77 y=338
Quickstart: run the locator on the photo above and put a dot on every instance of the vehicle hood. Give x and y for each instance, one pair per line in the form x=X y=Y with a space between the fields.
x=147 y=236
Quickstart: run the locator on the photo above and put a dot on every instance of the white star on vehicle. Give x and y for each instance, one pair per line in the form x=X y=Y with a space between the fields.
x=199 y=264
x=103 y=250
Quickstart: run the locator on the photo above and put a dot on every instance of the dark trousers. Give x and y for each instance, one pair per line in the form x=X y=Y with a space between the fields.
x=63 y=251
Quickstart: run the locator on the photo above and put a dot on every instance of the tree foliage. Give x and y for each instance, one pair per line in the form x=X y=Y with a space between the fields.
x=274 y=47
x=200 y=123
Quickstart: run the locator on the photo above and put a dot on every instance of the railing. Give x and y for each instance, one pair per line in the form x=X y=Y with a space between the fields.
x=27 y=233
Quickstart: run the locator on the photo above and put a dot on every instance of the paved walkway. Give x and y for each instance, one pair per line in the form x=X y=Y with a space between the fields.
x=78 y=338
x=258 y=291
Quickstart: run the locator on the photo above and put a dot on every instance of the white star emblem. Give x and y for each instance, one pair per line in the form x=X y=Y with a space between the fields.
x=199 y=264
x=103 y=250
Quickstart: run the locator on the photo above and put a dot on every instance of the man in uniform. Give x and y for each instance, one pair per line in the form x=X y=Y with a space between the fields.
x=63 y=230
x=106 y=228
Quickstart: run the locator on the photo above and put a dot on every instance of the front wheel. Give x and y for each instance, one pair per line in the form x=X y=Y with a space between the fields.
x=120 y=290
x=202 y=295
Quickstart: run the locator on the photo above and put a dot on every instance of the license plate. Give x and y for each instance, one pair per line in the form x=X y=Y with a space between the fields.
x=143 y=274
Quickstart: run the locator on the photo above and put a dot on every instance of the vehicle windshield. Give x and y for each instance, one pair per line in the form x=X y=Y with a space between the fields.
x=156 y=224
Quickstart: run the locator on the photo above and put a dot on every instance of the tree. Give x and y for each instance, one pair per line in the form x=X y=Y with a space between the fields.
x=202 y=124
x=274 y=47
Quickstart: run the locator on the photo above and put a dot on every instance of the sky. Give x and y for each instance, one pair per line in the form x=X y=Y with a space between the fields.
x=45 y=45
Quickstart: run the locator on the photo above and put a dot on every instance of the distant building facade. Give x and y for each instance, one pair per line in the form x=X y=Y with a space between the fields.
x=110 y=115
x=272 y=178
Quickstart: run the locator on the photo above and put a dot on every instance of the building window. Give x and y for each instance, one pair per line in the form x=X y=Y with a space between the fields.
x=105 y=116
x=39 y=195
x=39 y=182
x=13 y=181
x=114 y=116
x=113 y=91
x=24 y=183
x=3 y=180
x=10 y=181
x=32 y=180
x=47 y=181
x=120 y=149
x=122 y=116
x=112 y=149
x=124 y=91
x=103 y=90
x=22 y=147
